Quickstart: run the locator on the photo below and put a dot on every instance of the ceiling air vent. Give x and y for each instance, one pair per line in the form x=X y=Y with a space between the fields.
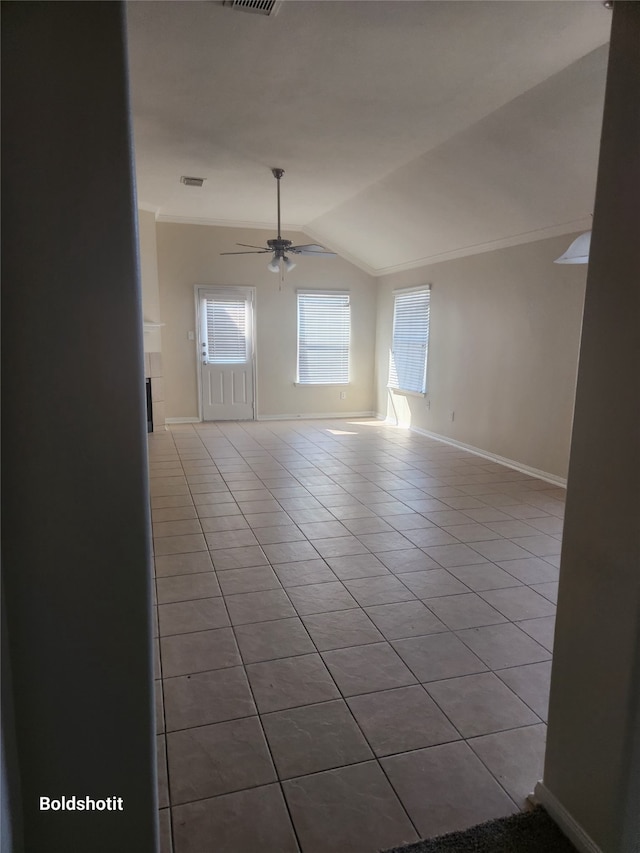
x=191 y=182
x=258 y=7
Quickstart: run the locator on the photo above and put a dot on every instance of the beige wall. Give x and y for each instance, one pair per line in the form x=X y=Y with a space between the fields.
x=149 y=278
x=503 y=352
x=189 y=255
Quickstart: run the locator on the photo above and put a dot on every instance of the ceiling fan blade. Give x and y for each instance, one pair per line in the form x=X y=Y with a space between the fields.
x=249 y=246
x=311 y=249
x=257 y=252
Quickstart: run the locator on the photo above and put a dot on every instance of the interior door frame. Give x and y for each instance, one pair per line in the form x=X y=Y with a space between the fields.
x=231 y=290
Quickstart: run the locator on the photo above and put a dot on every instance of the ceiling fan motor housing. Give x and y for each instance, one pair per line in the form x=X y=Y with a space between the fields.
x=279 y=245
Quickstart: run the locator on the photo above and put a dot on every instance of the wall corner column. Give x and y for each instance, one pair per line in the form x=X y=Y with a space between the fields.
x=592 y=768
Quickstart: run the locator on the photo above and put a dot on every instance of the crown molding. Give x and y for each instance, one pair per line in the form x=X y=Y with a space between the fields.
x=224 y=223
x=583 y=224
x=339 y=250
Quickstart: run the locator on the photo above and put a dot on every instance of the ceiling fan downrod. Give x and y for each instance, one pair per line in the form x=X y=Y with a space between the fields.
x=277 y=174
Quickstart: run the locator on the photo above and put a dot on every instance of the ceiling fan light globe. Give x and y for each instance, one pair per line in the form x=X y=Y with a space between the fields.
x=578 y=251
x=274 y=266
x=288 y=265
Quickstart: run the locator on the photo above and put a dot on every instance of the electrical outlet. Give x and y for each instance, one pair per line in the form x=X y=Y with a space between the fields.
x=343 y=395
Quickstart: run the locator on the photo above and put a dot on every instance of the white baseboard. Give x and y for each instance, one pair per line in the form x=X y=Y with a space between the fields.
x=315 y=416
x=569 y=826
x=486 y=454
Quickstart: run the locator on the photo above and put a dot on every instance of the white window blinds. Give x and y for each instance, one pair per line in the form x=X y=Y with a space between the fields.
x=408 y=359
x=226 y=330
x=324 y=331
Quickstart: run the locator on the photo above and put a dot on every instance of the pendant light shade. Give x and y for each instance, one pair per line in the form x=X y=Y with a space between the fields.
x=578 y=251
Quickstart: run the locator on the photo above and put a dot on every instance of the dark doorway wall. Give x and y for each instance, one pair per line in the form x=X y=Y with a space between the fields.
x=75 y=542
x=592 y=768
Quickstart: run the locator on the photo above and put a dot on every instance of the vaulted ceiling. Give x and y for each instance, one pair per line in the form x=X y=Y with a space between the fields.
x=410 y=130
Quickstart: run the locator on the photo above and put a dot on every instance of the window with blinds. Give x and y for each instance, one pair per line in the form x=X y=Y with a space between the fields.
x=226 y=330
x=408 y=358
x=324 y=332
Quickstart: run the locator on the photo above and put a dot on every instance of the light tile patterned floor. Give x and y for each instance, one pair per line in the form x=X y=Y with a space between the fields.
x=355 y=631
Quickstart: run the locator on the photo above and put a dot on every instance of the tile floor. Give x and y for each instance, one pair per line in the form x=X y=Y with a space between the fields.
x=355 y=626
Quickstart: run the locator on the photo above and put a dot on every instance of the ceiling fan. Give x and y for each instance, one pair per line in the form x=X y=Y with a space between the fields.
x=281 y=247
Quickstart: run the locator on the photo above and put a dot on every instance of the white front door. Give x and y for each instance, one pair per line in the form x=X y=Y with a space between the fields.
x=225 y=321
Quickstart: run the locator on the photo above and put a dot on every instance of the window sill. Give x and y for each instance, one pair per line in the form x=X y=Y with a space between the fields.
x=407 y=393
x=322 y=384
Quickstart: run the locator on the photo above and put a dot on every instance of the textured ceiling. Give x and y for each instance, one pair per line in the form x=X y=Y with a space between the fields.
x=409 y=131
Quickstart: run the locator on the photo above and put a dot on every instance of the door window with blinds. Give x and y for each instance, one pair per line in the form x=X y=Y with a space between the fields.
x=324 y=336
x=408 y=357
x=226 y=330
